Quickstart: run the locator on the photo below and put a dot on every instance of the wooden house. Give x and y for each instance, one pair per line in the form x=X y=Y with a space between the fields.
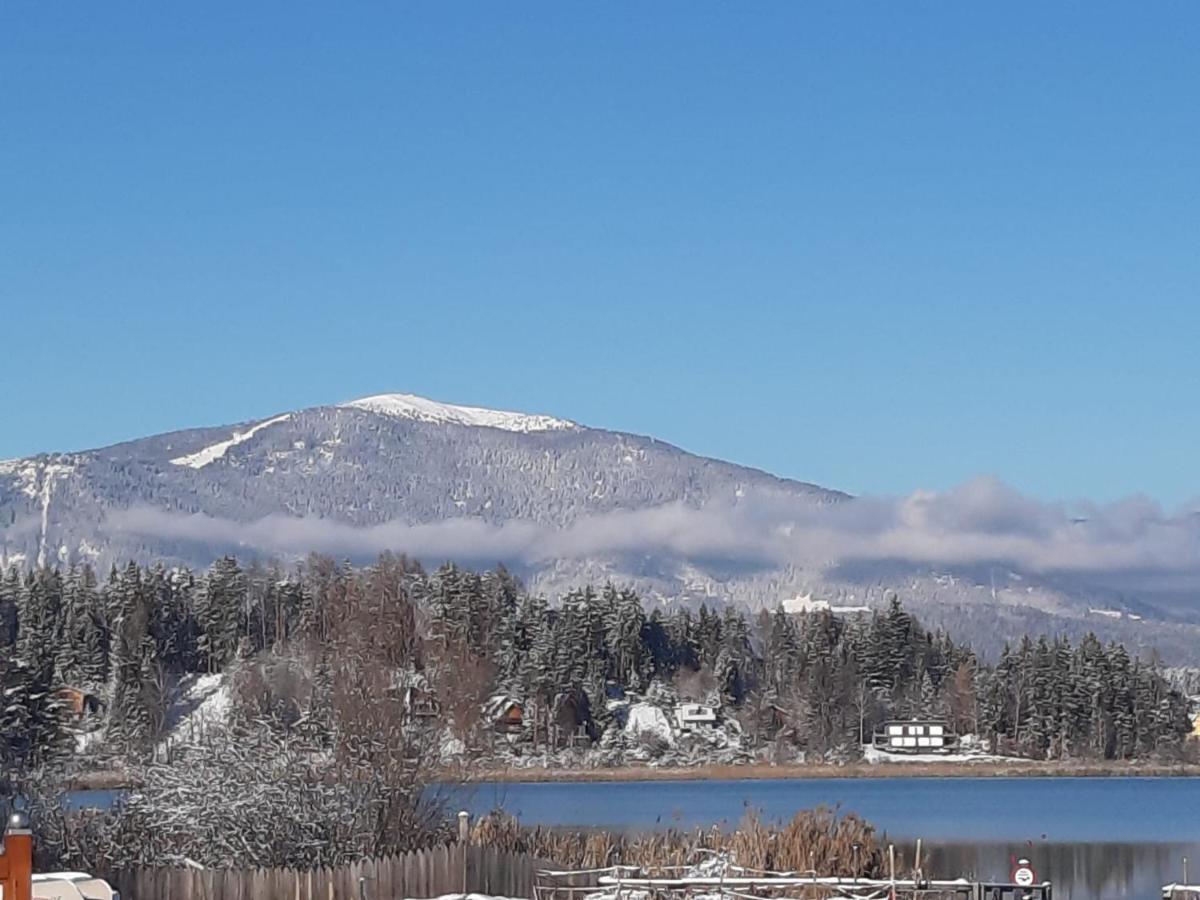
x=420 y=703
x=506 y=715
x=76 y=703
x=573 y=722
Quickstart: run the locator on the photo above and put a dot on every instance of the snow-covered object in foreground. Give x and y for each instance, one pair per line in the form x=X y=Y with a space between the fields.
x=71 y=886
x=409 y=406
x=714 y=865
x=644 y=719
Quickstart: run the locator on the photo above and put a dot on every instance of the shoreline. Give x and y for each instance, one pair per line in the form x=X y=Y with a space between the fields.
x=768 y=772
x=109 y=780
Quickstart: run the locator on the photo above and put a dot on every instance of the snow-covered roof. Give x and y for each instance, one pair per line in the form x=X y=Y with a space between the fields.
x=499 y=704
x=62 y=876
x=697 y=711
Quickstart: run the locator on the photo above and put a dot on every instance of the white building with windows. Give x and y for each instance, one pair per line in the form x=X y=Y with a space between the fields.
x=915 y=736
x=690 y=716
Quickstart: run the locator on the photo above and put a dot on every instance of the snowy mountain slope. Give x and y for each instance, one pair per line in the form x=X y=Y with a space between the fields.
x=390 y=460
x=560 y=502
x=213 y=452
x=409 y=406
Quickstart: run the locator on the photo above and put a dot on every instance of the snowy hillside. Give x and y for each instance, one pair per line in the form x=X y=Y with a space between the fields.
x=409 y=406
x=385 y=472
x=560 y=503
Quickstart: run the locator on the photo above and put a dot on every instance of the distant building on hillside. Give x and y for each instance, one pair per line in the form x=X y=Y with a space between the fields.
x=415 y=694
x=915 y=736
x=76 y=703
x=692 y=716
x=506 y=714
x=420 y=703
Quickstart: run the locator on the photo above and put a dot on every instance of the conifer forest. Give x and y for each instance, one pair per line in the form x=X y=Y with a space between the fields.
x=455 y=651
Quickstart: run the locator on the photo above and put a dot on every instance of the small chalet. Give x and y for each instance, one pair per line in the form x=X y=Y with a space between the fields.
x=573 y=719
x=506 y=715
x=915 y=736
x=420 y=703
x=416 y=696
x=694 y=716
x=77 y=703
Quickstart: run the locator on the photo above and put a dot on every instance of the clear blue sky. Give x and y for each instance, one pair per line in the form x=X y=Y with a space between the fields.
x=879 y=247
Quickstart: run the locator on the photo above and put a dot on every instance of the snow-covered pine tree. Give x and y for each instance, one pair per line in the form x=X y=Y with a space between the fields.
x=219 y=612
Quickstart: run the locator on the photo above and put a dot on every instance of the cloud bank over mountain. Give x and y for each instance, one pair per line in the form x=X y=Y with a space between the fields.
x=564 y=505
x=980 y=522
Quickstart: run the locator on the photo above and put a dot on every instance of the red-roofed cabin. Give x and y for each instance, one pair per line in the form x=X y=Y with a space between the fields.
x=510 y=718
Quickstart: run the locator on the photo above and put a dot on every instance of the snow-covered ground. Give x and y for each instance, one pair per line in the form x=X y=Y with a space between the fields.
x=409 y=406
x=873 y=755
x=1114 y=614
x=212 y=453
x=646 y=720
x=203 y=702
x=86 y=741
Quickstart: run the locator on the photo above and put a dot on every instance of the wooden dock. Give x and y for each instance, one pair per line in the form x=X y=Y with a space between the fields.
x=631 y=883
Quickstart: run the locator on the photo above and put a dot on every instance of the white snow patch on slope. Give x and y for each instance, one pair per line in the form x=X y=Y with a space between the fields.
x=49 y=474
x=202 y=458
x=645 y=719
x=27 y=472
x=203 y=702
x=409 y=406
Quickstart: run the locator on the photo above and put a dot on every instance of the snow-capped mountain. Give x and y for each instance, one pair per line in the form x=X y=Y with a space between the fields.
x=560 y=502
x=390 y=460
x=409 y=406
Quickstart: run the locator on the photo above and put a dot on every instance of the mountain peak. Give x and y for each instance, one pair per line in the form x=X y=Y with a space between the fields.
x=410 y=406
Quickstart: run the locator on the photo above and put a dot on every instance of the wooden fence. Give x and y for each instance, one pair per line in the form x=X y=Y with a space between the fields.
x=454 y=869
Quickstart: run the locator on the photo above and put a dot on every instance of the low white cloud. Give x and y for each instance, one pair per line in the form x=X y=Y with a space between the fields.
x=982 y=521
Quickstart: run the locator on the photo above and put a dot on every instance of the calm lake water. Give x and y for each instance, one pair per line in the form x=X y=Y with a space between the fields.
x=1092 y=837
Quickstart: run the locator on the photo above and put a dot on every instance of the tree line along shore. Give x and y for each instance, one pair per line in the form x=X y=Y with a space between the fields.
x=496 y=676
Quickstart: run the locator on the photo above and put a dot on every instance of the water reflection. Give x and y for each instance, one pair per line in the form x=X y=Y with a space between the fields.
x=1092 y=838
x=1096 y=871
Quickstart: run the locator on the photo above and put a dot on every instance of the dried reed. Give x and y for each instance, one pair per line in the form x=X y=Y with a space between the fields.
x=814 y=840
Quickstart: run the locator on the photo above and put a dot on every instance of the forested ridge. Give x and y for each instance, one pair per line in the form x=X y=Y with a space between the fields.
x=813 y=684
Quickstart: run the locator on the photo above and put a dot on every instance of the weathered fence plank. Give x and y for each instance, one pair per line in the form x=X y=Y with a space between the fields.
x=453 y=869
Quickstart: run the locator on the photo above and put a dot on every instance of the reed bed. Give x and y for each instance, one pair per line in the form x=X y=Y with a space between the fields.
x=818 y=840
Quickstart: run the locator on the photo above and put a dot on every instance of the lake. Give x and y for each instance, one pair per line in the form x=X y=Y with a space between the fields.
x=1092 y=837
